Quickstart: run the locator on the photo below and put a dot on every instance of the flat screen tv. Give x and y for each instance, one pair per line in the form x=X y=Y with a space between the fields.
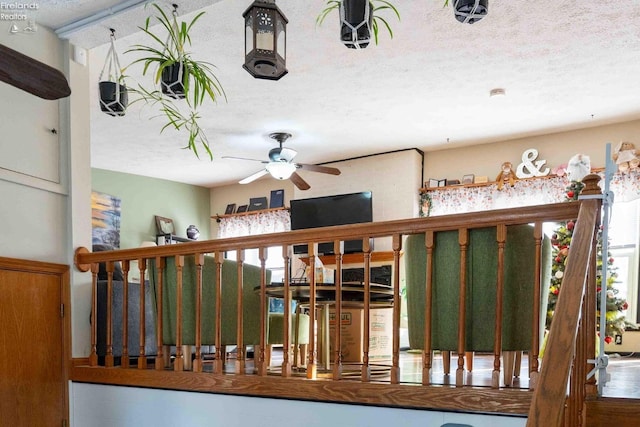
x=326 y=211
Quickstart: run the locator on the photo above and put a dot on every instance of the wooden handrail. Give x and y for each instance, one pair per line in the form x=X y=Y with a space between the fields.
x=551 y=212
x=547 y=407
x=394 y=230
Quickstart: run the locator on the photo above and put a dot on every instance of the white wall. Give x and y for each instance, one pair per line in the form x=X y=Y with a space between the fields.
x=556 y=149
x=104 y=406
x=33 y=185
x=393 y=179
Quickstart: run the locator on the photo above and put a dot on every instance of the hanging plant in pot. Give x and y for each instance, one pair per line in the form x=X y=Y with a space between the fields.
x=113 y=92
x=359 y=19
x=179 y=75
x=469 y=11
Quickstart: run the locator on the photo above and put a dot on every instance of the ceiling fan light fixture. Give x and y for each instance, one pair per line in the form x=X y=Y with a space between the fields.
x=281 y=170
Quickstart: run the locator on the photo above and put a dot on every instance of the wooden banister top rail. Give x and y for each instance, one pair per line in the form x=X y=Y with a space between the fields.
x=551 y=212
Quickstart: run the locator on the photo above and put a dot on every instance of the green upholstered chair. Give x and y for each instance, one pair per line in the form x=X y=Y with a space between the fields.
x=229 y=275
x=481 y=274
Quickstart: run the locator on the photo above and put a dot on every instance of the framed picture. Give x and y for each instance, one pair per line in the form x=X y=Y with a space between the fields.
x=164 y=225
x=230 y=209
x=242 y=208
x=257 y=203
x=468 y=179
x=277 y=199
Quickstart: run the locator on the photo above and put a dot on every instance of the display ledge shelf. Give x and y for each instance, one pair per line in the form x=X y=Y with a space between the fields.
x=486 y=184
x=261 y=211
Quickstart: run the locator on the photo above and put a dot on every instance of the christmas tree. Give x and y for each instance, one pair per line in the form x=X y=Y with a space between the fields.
x=561 y=241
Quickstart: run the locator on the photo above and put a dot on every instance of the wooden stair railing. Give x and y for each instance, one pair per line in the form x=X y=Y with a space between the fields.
x=565 y=353
x=392 y=230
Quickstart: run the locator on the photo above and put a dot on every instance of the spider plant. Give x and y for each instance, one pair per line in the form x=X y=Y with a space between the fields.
x=377 y=6
x=196 y=80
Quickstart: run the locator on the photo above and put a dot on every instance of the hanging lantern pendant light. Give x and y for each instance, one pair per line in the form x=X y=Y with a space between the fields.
x=265 y=40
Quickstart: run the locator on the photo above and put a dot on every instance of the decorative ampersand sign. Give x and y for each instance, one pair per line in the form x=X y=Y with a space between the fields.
x=531 y=167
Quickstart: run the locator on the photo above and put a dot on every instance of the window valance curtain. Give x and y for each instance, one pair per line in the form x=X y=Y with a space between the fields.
x=256 y=223
x=527 y=192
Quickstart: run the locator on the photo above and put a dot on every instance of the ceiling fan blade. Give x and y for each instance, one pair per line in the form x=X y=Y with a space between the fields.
x=31 y=75
x=244 y=158
x=321 y=169
x=288 y=154
x=253 y=177
x=299 y=182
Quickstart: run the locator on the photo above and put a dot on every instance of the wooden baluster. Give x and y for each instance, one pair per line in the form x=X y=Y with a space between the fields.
x=93 y=356
x=497 y=346
x=262 y=255
x=124 y=359
x=178 y=364
x=428 y=298
x=142 y=358
x=108 y=359
x=219 y=357
x=397 y=305
x=241 y=363
x=161 y=363
x=366 y=368
x=537 y=295
x=463 y=241
x=591 y=388
x=286 y=347
x=338 y=249
x=579 y=376
x=312 y=372
x=197 y=361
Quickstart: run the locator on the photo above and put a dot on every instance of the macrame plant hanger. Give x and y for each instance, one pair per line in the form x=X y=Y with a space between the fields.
x=113 y=97
x=172 y=84
x=476 y=13
x=355 y=42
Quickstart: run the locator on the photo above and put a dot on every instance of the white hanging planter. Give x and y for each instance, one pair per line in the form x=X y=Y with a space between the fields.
x=113 y=93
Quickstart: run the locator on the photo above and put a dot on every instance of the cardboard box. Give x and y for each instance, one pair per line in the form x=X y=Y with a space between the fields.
x=380 y=334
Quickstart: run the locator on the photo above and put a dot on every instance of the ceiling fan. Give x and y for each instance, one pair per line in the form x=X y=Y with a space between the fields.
x=281 y=166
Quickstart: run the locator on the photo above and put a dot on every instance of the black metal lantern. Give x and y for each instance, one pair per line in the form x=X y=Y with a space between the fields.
x=470 y=11
x=265 y=37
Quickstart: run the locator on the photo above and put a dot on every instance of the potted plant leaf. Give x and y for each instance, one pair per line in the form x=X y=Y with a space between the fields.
x=113 y=92
x=178 y=74
x=469 y=11
x=358 y=19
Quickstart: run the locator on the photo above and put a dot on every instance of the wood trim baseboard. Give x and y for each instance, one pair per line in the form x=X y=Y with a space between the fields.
x=514 y=402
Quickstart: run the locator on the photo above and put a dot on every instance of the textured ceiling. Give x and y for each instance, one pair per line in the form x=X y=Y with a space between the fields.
x=564 y=65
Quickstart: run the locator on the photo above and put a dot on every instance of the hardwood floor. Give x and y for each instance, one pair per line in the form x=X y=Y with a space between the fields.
x=624 y=371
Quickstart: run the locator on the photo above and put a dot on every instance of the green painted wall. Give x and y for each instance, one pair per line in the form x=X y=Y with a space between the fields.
x=142 y=198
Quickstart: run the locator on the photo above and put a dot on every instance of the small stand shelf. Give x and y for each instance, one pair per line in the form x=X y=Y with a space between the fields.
x=169 y=239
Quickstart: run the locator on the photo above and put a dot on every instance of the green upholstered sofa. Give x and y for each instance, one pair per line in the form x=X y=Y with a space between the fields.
x=229 y=275
x=481 y=274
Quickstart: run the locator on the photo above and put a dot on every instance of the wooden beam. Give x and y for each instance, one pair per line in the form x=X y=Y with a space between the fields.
x=31 y=75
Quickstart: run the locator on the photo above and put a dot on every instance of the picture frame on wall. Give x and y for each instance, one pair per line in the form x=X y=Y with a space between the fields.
x=164 y=225
x=468 y=179
x=242 y=208
x=277 y=199
x=231 y=208
x=257 y=204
